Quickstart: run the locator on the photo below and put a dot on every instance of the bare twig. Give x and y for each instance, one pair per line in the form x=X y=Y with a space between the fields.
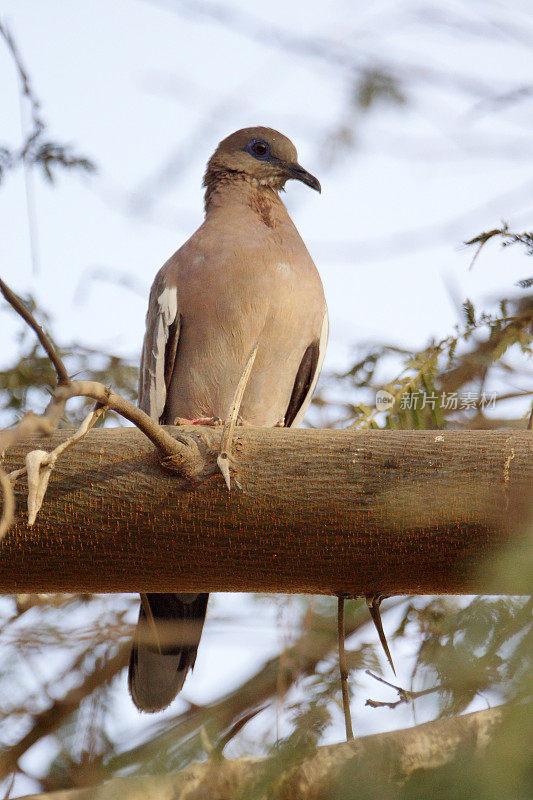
x=180 y=454
x=32 y=424
x=15 y=301
x=404 y=695
x=35 y=149
x=233 y=731
x=343 y=669
x=25 y=87
x=482 y=239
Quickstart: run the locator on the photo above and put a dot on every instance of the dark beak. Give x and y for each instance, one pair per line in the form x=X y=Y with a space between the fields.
x=300 y=174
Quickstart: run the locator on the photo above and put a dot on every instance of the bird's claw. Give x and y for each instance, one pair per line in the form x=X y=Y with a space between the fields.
x=210 y=421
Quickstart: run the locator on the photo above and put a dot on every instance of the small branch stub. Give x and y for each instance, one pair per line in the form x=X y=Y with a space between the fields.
x=38 y=477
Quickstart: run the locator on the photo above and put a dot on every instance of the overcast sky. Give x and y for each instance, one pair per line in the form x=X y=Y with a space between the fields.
x=147 y=93
x=134 y=86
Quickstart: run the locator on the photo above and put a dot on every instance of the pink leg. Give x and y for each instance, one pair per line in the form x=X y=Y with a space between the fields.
x=199 y=421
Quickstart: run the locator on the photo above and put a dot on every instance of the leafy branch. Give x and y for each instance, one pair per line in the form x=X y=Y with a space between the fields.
x=420 y=370
x=36 y=149
x=507 y=238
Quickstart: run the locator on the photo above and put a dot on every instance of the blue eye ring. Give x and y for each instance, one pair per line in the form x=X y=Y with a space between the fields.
x=259 y=149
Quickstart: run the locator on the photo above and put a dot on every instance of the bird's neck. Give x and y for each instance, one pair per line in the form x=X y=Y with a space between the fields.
x=235 y=188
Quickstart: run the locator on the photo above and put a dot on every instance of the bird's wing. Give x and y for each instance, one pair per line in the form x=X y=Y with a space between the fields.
x=159 y=347
x=307 y=377
x=158 y=668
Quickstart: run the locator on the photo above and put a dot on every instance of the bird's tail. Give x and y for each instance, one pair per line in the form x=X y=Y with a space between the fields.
x=164 y=647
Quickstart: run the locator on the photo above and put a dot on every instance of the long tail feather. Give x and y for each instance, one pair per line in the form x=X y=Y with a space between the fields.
x=164 y=647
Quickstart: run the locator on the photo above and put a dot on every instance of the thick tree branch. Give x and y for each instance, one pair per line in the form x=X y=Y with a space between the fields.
x=320 y=511
x=275 y=678
x=219 y=720
x=431 y=745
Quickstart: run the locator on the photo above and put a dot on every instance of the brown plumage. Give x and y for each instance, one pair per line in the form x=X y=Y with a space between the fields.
x=244 y=277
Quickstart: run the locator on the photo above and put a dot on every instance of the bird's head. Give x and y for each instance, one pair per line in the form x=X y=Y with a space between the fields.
x=262 y=155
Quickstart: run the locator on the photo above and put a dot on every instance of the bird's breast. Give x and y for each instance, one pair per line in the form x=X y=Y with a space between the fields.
x=227 y=306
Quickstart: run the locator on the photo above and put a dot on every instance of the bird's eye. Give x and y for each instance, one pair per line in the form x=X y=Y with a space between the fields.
x=259 y=149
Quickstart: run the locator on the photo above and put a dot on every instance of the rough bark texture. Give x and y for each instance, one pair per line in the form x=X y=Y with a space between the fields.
x=319 y=511
x=427 y=746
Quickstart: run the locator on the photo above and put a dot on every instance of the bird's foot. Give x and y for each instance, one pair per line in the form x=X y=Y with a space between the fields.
x=211 y=421
x=215 y=422
x=373 y=602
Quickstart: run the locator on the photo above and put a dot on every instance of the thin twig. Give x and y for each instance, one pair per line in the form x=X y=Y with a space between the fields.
x=24 y=78
x=405 y=696
x=35 y=149
x=15 y=301
x=343 y=669
x=16 y=474
x=507 y=237
x=180 y=454
x=482 y=239
x=32 y=424
x=216 y=753
x=9 y=787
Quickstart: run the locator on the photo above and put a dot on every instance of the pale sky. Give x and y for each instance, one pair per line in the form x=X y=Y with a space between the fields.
x=134 y=86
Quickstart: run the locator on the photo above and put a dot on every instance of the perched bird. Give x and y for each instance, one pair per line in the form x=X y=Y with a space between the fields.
x=245 y=278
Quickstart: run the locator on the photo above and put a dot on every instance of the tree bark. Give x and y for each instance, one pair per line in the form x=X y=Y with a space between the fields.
x=396 y=755
x=318 y=511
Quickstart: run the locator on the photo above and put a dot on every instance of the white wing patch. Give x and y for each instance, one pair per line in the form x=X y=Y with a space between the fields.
x=298 y=419
x=166 y=314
